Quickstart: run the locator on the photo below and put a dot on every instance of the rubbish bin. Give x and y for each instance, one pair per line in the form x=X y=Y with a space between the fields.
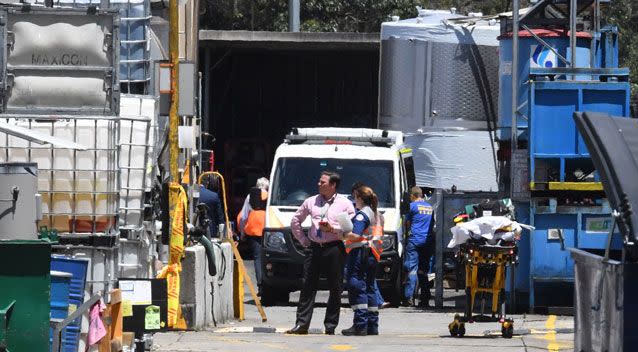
x=24 y=278
x=604 y=303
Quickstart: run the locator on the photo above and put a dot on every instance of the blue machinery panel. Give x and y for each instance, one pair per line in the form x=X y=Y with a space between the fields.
x=553 y=135
x=532 y=54
x=559 y=228
x=555 y=144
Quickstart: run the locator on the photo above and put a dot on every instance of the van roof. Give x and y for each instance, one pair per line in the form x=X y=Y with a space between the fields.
x=334 y=135
x=323 y=151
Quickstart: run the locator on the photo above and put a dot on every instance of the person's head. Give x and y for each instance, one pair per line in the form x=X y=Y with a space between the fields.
x=355 y=186
x=416 y=193
x=365 y=196
x=211 y=182
x=328 y=183
x=263 y=184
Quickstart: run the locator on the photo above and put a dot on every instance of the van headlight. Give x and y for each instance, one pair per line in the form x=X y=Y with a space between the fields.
x=275 y=241
x=388 y=242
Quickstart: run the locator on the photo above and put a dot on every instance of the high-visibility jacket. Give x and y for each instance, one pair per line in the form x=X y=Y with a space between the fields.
x=252 y=218
x=372 y=235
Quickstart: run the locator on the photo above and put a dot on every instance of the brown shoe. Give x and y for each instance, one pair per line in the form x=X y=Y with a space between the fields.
x=298 y=330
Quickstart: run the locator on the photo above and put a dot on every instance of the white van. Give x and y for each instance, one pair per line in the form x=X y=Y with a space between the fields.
x=374 y=157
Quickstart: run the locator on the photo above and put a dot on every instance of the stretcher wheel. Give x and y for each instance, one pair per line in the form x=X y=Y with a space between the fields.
x=507 y=329
x=457 y=327
x=454 y=328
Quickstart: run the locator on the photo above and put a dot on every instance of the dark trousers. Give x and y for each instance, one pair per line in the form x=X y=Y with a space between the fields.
x=255 y=247
x=362 y=289
x=330 y=259
x=417 y=266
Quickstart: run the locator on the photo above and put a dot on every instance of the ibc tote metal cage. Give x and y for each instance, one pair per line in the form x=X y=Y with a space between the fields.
x=134 y=34
x=79 y=188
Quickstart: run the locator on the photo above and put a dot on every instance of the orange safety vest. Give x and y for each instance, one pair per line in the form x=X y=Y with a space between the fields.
x=256 y=220
x=255 y=223
x=372 y=237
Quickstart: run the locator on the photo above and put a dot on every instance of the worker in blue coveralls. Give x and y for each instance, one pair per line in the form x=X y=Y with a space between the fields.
x=419 y=249
x=363 y=246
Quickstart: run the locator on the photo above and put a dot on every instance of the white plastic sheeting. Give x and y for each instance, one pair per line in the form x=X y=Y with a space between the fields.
x=443 y=26
x=486 y=227
x=464 y=159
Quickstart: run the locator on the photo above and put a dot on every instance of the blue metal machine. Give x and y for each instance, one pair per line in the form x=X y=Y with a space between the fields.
x=560 y=71
x=568 y=207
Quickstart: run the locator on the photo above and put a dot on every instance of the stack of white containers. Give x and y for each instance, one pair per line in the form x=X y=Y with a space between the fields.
x=135 y=20
x=78 y=188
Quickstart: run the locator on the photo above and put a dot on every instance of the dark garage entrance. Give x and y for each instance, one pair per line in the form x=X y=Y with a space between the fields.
x=258 y=85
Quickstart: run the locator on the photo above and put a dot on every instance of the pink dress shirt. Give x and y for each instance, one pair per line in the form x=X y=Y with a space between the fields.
x=320 y=209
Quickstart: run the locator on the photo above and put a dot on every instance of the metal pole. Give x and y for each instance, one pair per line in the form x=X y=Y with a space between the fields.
x=546 y=45
x=438 y=256
x=596 y=39
x=206 y=91
x=514 y=130
x=614 y=216
x=573 y=7
x=173 y=41
x=293 y=15
x=201 y=120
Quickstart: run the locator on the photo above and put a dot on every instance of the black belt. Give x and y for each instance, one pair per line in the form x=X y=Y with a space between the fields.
x=325 y=244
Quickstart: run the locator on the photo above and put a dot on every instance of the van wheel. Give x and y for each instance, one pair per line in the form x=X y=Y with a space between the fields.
x=271 y=296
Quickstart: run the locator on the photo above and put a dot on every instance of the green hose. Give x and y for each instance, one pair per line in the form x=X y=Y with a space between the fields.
x=210 y=254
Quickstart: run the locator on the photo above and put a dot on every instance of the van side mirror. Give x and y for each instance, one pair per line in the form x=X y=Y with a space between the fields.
x=405 y=203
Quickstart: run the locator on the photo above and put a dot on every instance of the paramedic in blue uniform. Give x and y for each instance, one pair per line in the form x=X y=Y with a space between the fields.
x=361 y=264
x=355 y=186
x=419 y=248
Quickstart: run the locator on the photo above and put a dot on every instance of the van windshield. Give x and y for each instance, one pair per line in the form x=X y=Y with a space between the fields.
x=296 y=178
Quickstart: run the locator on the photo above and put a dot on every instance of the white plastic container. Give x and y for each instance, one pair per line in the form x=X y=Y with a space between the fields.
x=78 y=188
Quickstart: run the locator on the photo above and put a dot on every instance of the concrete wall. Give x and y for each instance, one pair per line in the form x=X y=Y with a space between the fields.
x=198 y=304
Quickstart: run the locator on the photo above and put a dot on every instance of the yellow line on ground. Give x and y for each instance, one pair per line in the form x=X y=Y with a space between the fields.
x=550 y=325
x=341 y=347
x=277 y=346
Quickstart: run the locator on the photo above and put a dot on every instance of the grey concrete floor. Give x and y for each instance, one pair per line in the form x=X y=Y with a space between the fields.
x=401 y=329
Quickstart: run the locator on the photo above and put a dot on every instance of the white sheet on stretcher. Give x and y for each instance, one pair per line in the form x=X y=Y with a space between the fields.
x=486 y=227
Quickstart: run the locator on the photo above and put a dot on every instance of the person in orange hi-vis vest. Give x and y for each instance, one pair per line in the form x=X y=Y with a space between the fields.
x=363 y=246
x=250 y=222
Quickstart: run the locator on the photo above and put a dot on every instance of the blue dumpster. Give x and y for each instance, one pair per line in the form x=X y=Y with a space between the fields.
x=77 y=267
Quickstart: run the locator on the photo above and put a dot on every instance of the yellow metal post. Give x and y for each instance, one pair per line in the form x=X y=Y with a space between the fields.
x=173 y=47
x=239 y=274
x=238 y=290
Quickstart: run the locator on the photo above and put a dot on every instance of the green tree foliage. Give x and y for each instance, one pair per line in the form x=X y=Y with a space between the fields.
x=316 y=15
x=624 y=14
x=367 y=16
x=329 y=15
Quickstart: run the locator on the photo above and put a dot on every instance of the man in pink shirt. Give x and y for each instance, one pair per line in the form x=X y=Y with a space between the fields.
x=324 y=250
